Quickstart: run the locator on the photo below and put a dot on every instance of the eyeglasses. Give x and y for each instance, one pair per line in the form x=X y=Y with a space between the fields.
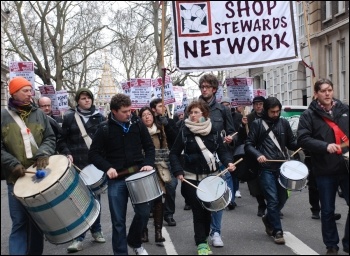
x=45 y=106
x=205 y=87
x=195 y=112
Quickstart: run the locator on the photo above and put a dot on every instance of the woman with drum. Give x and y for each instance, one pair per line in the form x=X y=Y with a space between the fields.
x=196 y=168
x=160 y=144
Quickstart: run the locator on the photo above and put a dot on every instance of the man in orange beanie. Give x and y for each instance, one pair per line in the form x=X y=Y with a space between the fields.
x=20 y=122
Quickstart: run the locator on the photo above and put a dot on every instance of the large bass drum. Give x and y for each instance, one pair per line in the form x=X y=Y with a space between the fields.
x=59 y=203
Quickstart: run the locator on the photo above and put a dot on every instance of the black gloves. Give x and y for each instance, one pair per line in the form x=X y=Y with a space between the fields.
x=163 y=120
x=17 y=171
x=41 y=162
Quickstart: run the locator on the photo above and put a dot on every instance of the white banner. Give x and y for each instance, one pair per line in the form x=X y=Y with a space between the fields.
x=240 y=91
x=24 y=69
x=220 y=35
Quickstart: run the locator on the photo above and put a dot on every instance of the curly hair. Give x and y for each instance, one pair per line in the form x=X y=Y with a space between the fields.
x=120 y=100
x=203 y=106
x=211 y=79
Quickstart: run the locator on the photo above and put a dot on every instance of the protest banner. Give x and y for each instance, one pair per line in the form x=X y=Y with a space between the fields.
x=221 y=35
x=240 y=91
x=24 y=69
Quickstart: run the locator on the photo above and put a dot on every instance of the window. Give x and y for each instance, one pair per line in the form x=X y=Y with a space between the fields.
x=301 y=19
x=290 y=78
x=328 y=10
x=342 y=70
x=329 y=56
x=341 y=6
x=289 y=98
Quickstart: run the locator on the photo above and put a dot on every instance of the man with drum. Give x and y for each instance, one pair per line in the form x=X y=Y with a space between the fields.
x=323 y=131
x=84 y=119
x=272 y=135
x=16 y=156
x=121 y=147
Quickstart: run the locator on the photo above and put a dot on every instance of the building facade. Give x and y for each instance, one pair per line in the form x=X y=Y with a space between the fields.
x=324 y=47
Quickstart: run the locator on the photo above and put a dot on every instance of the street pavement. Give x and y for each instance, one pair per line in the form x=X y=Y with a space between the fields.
x=243 y=232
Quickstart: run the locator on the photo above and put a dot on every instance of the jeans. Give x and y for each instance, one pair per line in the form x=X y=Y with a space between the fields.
x=169 y=203
x=118 y=200
x=327 y=189
x=216 y=217
x=96 y=227
x=26 y=238
x=275 y=195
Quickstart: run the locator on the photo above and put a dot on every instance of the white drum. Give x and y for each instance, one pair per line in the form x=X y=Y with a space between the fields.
x=293 y=175
x=143 y=187
x=216 y=196
x=59 y=203
x=94 y=178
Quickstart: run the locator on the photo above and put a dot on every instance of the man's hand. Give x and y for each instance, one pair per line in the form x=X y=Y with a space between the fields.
x=18 y=171
x=41 y=162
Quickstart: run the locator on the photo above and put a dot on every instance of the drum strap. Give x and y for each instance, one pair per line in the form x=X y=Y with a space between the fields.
x=338 y=133
x=272 y=136
x=85 y=136
x=27 y=136
x=209 y=157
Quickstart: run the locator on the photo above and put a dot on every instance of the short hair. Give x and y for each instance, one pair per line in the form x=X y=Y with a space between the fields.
x=120 y=100
x=271 y=102
x=203 y=106
x=210 y=79
x=143 y=109
x=321 y=81
x=155 y=102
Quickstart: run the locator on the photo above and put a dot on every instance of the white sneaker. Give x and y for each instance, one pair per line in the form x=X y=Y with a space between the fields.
x=140 y=251
x=75 y=246
x=216 y=240
x=98 y=236
x=238 y=194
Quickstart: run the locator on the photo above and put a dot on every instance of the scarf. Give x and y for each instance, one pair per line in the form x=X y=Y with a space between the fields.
x=153 y=130
x=23 y=109
x=202 y=128
x=86 y=114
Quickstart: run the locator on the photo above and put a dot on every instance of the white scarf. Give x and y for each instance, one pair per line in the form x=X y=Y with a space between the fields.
x=153 y=130
x=202 y=128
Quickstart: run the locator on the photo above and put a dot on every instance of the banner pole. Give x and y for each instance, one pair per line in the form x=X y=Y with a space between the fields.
x=162 y=53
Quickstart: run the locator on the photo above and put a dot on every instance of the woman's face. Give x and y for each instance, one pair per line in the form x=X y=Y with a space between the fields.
x=195 y=114
x=147 y=118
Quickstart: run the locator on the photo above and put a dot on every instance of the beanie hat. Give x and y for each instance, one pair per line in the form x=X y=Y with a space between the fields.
x=18 y=83
x=86 y=90
x=258 y=99
x=225 y=99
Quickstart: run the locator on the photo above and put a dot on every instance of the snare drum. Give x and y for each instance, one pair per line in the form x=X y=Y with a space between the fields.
x=143 y=187
x=293 y=175
x=216 y=196
x=94 y=178
x=59 y=203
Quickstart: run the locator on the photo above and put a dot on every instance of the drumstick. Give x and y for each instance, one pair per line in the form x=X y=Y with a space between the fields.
x=30 y=172
x=192 y=184
x=226 y=170
x=295 y=152
x=344 y=144
x=79 y=170
x=233 y=134
x=276 y=160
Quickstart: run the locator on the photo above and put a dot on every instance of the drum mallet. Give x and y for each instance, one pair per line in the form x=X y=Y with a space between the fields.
x=39 y=173
x=295 y=152
x=192 y=184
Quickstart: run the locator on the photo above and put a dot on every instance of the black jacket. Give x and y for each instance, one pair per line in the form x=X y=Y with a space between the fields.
x=257 y=136
x=314 y=135
x=112 y=148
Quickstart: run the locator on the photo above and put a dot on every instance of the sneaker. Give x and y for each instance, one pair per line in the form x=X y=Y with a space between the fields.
x=75 y=246
x=315 y=215
x=203 y=249
x=140 y=251
x=98 y=236
x=238 y=194
x=210 y=252
x=337 y=216
x=332 y=251
x=216 y=240
x=261 y=212
x=279 y=239
x=268 y=228
x=231 y=206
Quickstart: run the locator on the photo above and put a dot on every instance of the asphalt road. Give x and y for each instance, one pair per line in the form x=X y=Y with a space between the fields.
x=243 y=232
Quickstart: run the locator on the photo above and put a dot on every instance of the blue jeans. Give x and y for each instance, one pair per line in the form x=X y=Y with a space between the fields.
x=96 y=227
x=327 y=188
x=275 y=195
x=26 y=238
x=216 y=217
x=169 y=203
x=118 y=200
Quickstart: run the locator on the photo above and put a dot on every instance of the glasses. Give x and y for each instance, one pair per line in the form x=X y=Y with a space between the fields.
x=45 y=106
x=202 y=87
x=195 y=112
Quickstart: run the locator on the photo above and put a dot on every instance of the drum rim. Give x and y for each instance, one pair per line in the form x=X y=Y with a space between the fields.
x=145 y=174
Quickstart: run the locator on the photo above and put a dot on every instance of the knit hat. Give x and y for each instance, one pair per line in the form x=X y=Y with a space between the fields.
x=225 y=99
x=258 y=99
x=86 y=90
x=18 y=83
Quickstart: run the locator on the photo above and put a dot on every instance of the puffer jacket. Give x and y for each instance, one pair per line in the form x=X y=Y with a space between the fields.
x=12 y=146
x=314 y=135
x=257 y=136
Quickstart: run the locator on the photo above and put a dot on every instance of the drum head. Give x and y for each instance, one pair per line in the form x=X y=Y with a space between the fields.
x=294 y=170
x=213 y=187
x=30 y=185
x=90 y=174
x=139 y=175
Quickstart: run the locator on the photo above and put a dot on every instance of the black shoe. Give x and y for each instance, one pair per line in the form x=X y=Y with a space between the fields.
x=279 y=239
x=261 y=212
x=187 y=207
x=170 y=221
x=332 y=251
x=268 y=228
x=315 y=215
x=231 y=206
x=337 y=216
x=281 y=215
